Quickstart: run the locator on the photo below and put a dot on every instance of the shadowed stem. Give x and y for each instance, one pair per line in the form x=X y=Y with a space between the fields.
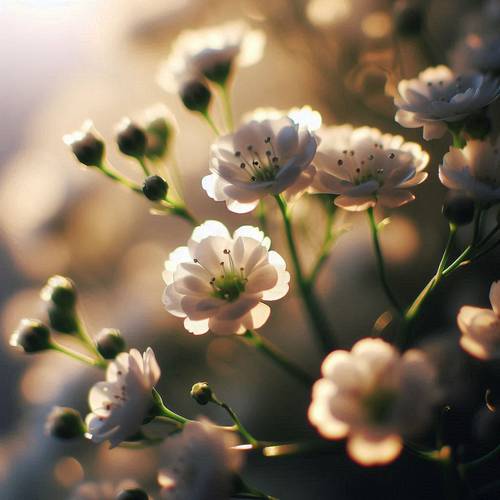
x=206 y=115
x=316 y=316
x=228 y=109
x=98 y=363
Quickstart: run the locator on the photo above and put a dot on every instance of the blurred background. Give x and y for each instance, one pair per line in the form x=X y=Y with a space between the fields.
x=63 y=61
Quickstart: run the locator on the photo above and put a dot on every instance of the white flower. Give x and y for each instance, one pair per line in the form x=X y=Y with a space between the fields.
x=104 y=490
x=365 y=167
x=438 y=97
x=474 y=169
x=478 y=52
x=199 y=463
x=217 y=282
x=304 y=116
x=481 y=327
x=120 y=405
x=373 y=396
x=207 y=52
x=260 y=158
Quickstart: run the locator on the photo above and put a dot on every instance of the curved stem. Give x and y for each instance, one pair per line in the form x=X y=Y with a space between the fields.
x=142 y=163
x=78 y=356
x=264 y=346
x=228 y=110
x=162 y=411
x=210 y=122
x=109 y=172
x=313 y=308
x=239 y=426
x=381 y=264
x=181 y=211
x=86 y=339
x=326 y=246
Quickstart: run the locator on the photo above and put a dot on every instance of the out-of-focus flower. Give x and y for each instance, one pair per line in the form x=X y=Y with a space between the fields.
x=365 y=167
x=304 y=116
x=199 y=463
x=439 y=97
x=474 y=170
x=64 y=423
x=210 y=53
x=217 y=282
x=478 y=52
x=261 y=158
x=120 y=404
x=86 y=144
x=32 y=336
x=160 y=126
x=481 y=327
x=105 y=490
x=373 y=396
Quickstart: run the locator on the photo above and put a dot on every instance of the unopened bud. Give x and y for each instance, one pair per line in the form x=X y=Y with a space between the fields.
x=62 y=320
x=155 y=188
x=133 y=494
x=218 y=72
x=196 y=96
x=64 y=423
x=31 y=335
x=60 y=291
x=131 y=139
x=202 y=393
x=110 y=343
x=86 y=145
x=458 y=208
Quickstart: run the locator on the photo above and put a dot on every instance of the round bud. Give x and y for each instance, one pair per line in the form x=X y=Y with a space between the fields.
x=64 y=423
x=31 y=335
x=409 y=18
x=62 y=320
x=202 y=393
x=86 y=146
x=131 y=139
x=458 y=208
x=133 y=494
x=60 y=291
x=155 y=188
x=110 y=343
x=158 y=134
x=196 y=96
x=218 y=72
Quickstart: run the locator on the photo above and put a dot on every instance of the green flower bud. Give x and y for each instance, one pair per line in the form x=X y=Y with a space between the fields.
x=202 y=393
x=409 y=18
x=131 y=139
x=155 y=188
x=60 y=291
x=196 y=96
x=64 y=423
x=62 y=320
x=133 y=494
x=86 y=145
x=219 y=72
x=31 y=335
x=458 y=208
x=158 y=133
x=110 y=343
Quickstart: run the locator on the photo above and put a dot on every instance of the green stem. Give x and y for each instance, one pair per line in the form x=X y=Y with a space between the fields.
x=78 y=356
x=261 y=216
x=381 y=264
x=181 y=211
x=86 y=339
x=228 y=110
x=326 y=246
x=142 y=163
x=106 y=170
x=313 y=308
x=161 y=410
x=264 y=346
x=210 y=122
x=239 y=426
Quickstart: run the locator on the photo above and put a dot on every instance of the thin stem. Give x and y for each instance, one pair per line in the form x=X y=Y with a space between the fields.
x=86 y=339
x=210 y=121
x=162 y=411
x=181 y=211
x=381 y=264
x=106 y=170
x=326 y=246
x=228 y=109
x=311 y=303
x=264 y=346
x=239 y=426
x=142 y=163
x=78 y=356
x=261 y=216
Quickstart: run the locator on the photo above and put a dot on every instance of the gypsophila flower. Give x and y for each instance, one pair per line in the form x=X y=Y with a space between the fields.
x=373 y=396
x=199 y=463
x=219 y=281
x=210 y=53
x=120 y=404
x=481 y=327
x=105 y=490
x=474 y=170
x=439 y=97
x=261 y=158
x=365 y=167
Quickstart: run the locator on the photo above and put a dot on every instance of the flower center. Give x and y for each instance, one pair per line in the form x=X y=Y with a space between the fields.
x=257 y=168
x=379 y=405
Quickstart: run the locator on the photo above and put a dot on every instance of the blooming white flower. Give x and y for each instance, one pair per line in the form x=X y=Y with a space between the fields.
x=373 y=396
x=260 y=158
x=210 y=53
x=104 y=490
x=481 y=327
x=120 y=405
x=439 y=97
x=304 y=116
x=199 y=463
x=474 y=169
x=365 y=167
x=478 y=52
x=217 y=282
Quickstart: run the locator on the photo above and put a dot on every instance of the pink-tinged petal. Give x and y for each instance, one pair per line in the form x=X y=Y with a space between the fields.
x=226 y=327
x=475 y=347
x=152 y=371
x=196 y=327
x=495 y=297
x=254 y=233
x=415 y=181
x=199 y=308
x=257 y=317
x=407 y=119
x=262 y=278
x=340 y=368
x=237 y=309
x=329 y=184
x=355 y=204
x=394 y=198
x=241 y=208
x=434 y=130
x=466 y=316
x=287 y=141
x=210 y=228
x=368 y=450
x=172 y=301
x=282 y=285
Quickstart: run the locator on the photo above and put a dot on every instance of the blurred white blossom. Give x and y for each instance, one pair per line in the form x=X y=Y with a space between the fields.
x=304 y=116
x=120 y=404
x=365 y=167
x=261 y=158
x=478 y=52
x=199 y=463
x=104 y=490
x=373 y=396
x=481 y=327
x=439 y=97
x=474 y=169
x=218 y=281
